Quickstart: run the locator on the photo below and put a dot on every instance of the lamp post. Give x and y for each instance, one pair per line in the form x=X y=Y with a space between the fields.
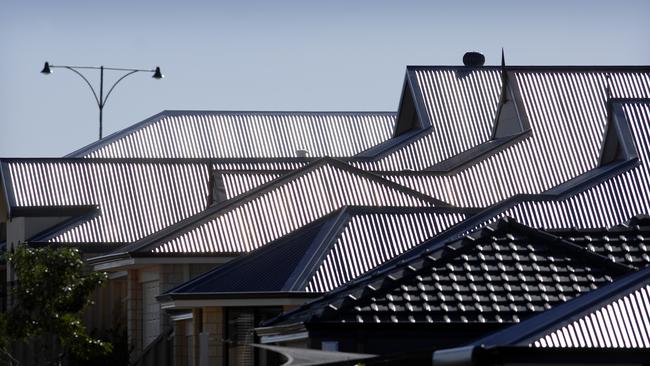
x=101 y=99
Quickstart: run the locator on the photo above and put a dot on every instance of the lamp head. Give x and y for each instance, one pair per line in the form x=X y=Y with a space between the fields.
x=46 y=69
x=157 y=74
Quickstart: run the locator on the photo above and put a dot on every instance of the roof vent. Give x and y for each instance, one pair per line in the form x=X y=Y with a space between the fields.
x=473 y=59
x=301 y=153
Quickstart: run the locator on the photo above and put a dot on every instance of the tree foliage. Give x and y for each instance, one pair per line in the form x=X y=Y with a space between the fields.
x=49 y=294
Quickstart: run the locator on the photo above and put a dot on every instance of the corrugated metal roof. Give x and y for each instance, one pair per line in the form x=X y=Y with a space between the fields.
x=567 y=115
x=623 y=323
x=279 y=208
x=605 y=204
x=369 y=240
x=135 y=199
x=459 y=110
x=194 y=134
x=325 y=253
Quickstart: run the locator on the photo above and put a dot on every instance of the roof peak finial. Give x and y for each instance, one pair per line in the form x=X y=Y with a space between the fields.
x=503 y=58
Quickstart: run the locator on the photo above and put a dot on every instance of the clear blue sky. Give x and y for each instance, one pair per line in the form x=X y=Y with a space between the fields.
x=272 y=55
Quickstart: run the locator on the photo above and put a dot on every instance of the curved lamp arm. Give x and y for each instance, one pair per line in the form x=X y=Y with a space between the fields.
x=99 y=103
x=115 y=84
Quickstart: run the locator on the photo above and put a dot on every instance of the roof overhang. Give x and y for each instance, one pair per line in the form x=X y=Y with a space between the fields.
x=255 y=299
x=120 y=262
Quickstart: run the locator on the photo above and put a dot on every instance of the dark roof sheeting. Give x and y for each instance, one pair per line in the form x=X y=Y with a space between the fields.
x=198 y=134
x=134 y=198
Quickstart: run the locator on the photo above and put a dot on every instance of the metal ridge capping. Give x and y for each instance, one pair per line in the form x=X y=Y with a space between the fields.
x=344 y=247
x=287 y=197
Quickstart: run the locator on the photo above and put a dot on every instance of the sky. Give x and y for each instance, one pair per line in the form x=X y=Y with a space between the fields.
x=329 y=55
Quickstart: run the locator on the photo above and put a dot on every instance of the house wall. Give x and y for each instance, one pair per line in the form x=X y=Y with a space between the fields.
x=145 y=319
x=223 y=336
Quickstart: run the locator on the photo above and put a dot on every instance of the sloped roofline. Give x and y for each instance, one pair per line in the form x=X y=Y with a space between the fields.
x=169 y=113
x=318 y=247
x=565 y=190
x=207 y=214
x=377 y=279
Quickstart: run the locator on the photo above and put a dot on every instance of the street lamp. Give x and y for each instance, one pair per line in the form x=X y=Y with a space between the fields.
x=101 y=99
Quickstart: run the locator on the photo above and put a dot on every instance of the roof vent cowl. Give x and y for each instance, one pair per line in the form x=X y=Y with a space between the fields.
x=473 y=59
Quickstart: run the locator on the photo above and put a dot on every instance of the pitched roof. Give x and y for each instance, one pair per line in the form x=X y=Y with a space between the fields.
x=605 y=203
x=567 y=114
x=603 y=197
x=614 y=316
x=454 y=110
x=326 y=253
x=132 y=198
x=277 y=208
x=626 y=243
x=232 y=134
x=503 y=273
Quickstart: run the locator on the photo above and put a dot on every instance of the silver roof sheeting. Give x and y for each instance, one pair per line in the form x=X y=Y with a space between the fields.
x=623 y=323
x=567 y=114
x=259 y=165
x=134 y=199
x=284 y=207
x=188 y=134
x=461 y=109
x=368 y=240
x=237 y=183
x=608 y=203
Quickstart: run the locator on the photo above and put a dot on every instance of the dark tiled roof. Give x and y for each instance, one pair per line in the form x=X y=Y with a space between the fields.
x=628 y=243
x=502 y=273
x=614 y=316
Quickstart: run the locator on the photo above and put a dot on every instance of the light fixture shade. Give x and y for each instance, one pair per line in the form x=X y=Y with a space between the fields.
x=157 y=74
x=46 y=69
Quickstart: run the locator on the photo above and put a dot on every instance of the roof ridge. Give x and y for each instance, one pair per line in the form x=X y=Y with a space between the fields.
x=179 y=227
